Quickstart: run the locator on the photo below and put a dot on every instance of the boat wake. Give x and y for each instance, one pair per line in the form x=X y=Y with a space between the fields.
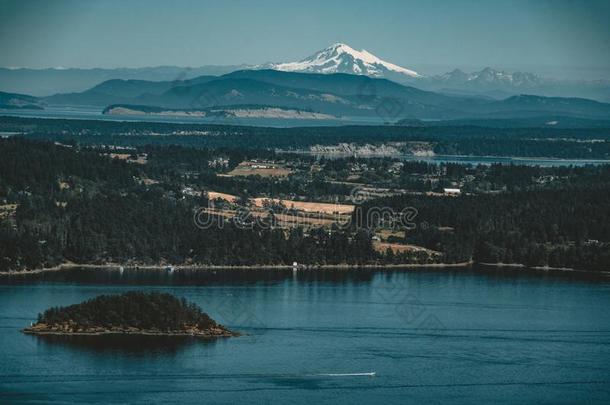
x=372 y=374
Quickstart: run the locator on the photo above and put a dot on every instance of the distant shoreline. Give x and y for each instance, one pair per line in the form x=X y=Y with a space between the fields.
x=346 y=267
x=440 y=158
x=540 y=268
x=202 y=267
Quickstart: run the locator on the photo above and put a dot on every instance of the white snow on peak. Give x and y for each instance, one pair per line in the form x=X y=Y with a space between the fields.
x=342 y=58
x=491 y=76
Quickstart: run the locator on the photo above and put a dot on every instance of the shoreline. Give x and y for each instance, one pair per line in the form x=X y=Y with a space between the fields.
x=203 y=267
x=202 y=334
x=346 y=267
x=451 y=157
x=540 y=268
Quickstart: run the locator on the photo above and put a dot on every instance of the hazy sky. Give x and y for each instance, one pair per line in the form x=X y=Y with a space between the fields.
x=556 y=36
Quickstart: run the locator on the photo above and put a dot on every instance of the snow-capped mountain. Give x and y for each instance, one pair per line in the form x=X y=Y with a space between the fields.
x=491 y=77
x=337 y=58
x=341 y=58
x=500 y=84
x=488 y=82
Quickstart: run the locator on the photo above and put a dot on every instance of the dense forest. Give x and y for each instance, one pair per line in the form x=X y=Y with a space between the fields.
x=143 y=311
x=569 y=227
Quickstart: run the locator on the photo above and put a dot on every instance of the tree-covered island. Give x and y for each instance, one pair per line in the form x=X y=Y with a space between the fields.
x=131 y=313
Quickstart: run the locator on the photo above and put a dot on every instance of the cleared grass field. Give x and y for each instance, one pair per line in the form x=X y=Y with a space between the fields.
x=400 y=248
x=306 y=206
x=7 y=210
x=284 y=220
x=384 y=234
x=307 y=213
x=213 y=195
x=260 y=169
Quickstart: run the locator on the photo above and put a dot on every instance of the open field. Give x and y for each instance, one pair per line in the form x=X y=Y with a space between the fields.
x=400 y=248
x=306 y=206
x=384 y=234
x=128 y=158
x=213 y=195
x=286 y=220
x=260 y=169
x=7 y=210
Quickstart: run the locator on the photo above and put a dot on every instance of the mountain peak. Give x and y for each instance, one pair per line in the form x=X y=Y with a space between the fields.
x=342 y=46
x=488 y=76
x=342 y=58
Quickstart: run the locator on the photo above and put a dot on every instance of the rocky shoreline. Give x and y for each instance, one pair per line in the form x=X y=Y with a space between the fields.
x=133 y=313
x=71 y=329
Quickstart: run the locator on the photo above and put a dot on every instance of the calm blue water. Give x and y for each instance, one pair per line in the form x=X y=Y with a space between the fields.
x=431 y=336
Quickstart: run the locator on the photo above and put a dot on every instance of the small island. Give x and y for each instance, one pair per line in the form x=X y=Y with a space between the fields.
x=131 y=313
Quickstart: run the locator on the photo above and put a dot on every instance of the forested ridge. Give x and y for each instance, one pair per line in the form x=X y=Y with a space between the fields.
x=74 y=203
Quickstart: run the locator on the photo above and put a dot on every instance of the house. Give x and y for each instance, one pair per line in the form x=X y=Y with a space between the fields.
x=452 y=191
x=191 y=192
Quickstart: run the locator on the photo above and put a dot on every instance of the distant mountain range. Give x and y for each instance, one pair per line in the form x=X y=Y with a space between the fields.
x=337 y=95
x=338 y=81
x=46 y=82
x=488 y=82
x=337 y=58
x=500 y=84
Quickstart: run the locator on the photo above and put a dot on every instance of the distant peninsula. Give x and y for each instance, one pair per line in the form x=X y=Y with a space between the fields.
x=131 y=313
x=233 y=111
x=13 y=101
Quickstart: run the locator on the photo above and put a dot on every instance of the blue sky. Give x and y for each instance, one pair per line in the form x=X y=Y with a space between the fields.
x=558 y=37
